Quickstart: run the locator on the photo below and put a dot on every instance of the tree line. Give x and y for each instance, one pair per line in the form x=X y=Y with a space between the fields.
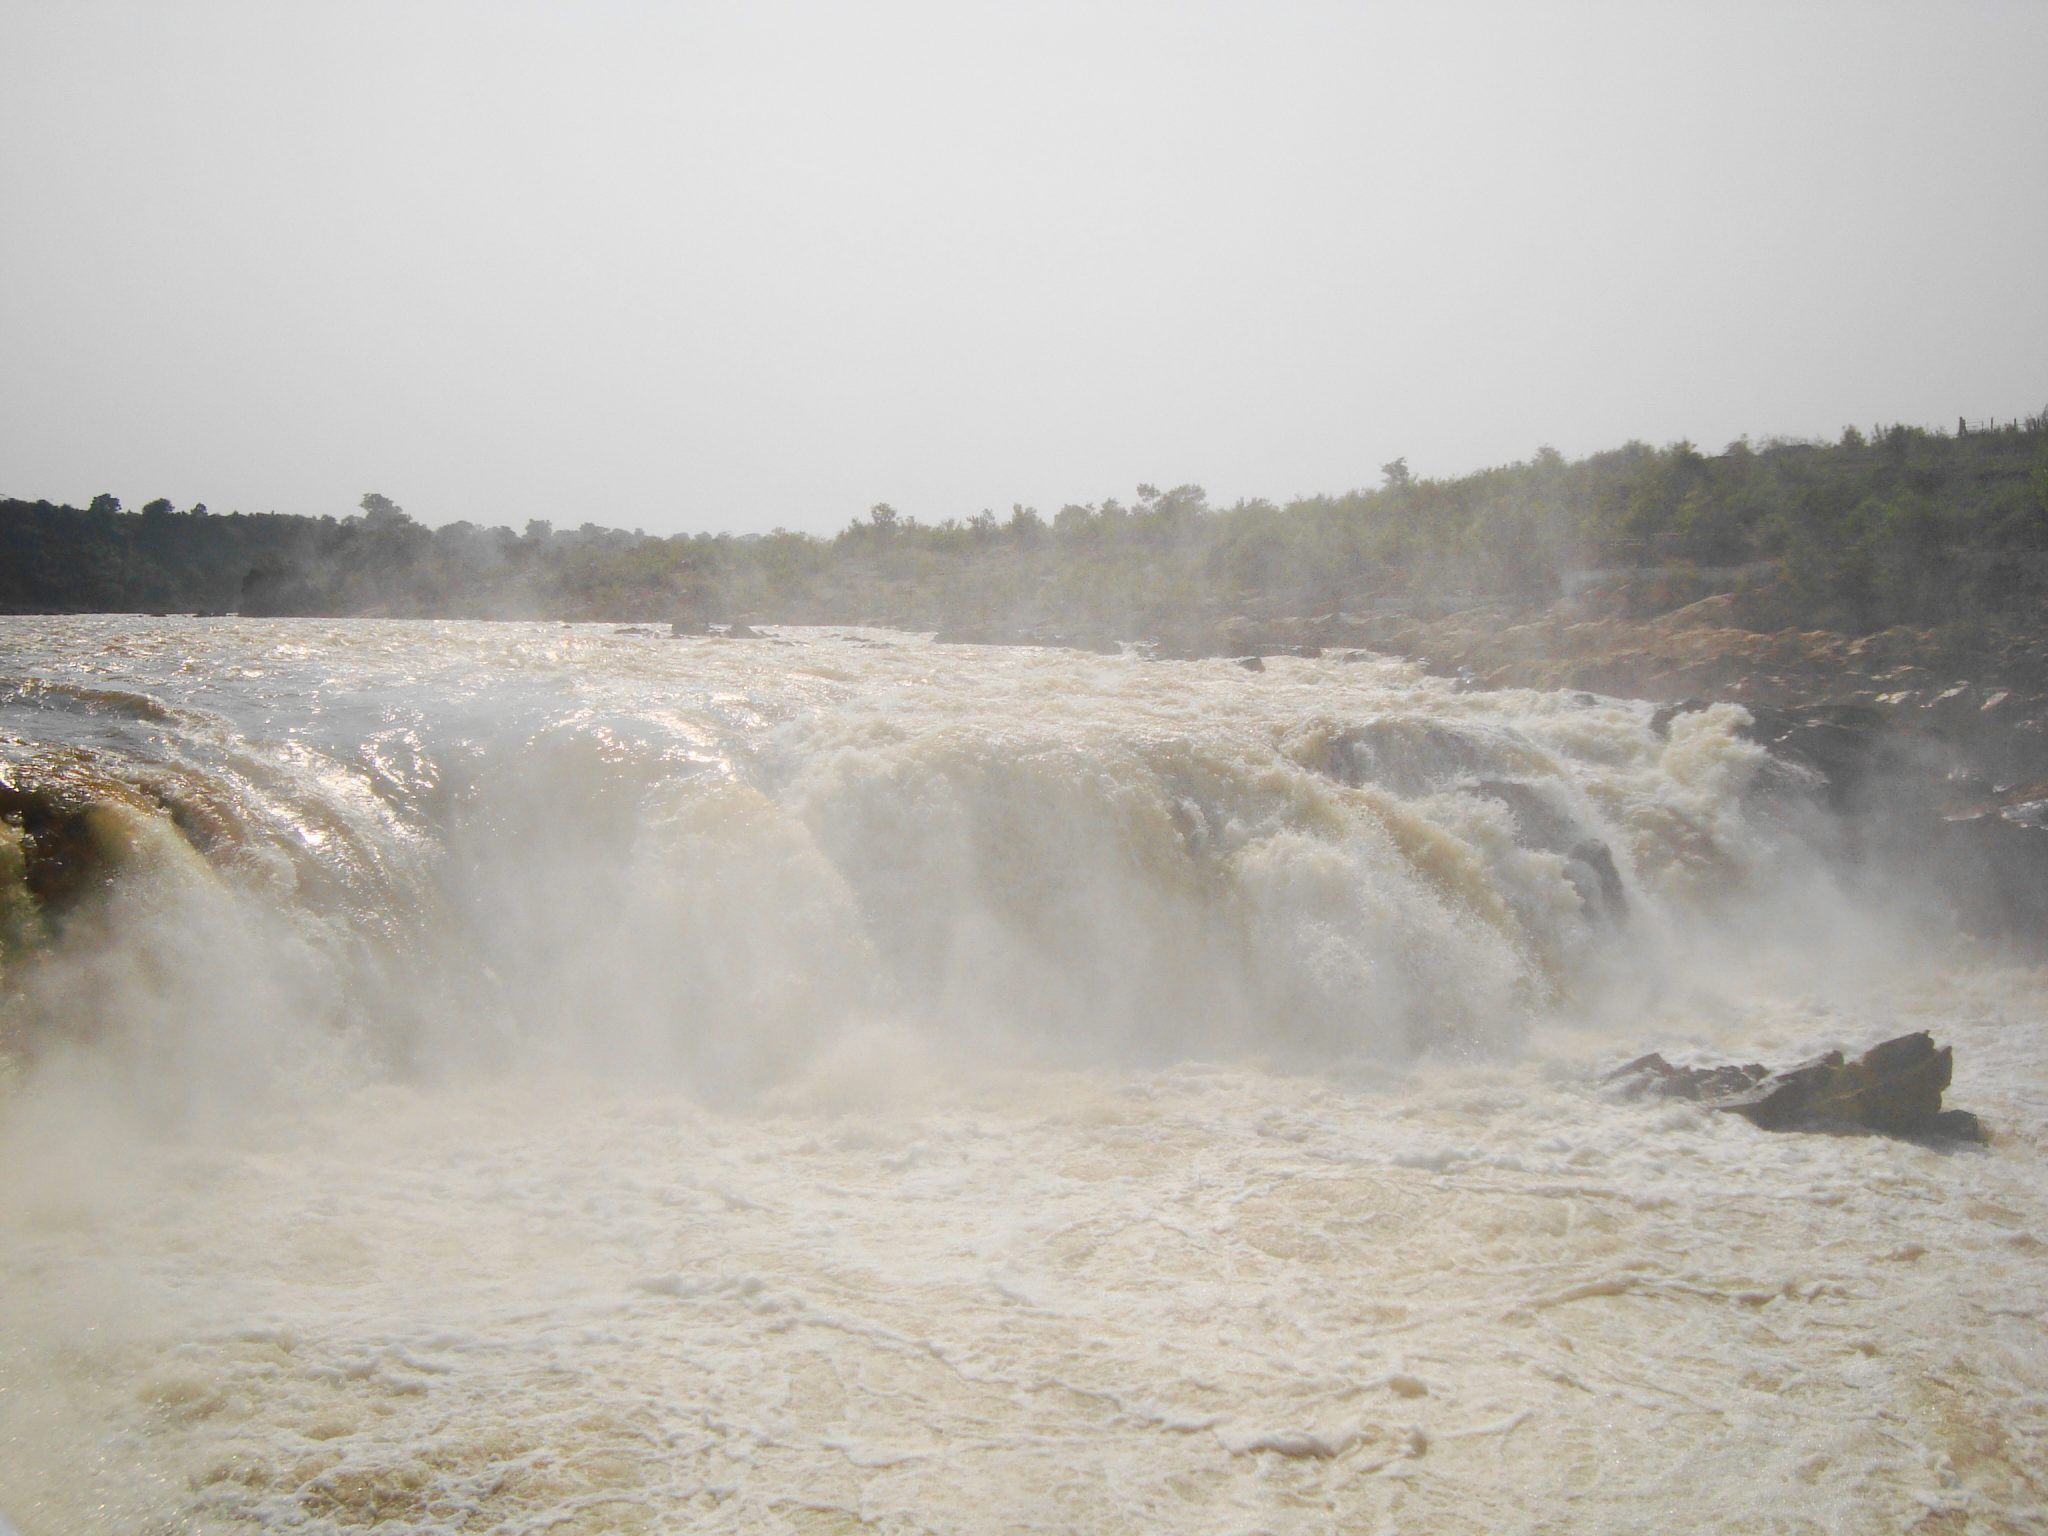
x=1898 y=525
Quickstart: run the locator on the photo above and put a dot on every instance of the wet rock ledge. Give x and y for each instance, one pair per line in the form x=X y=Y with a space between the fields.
x=1892 y=1089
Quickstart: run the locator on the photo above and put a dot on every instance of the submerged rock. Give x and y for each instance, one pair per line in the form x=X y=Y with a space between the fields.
x=1894 y=1088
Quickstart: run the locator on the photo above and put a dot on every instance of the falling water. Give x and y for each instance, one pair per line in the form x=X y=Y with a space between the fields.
x=527 y=1078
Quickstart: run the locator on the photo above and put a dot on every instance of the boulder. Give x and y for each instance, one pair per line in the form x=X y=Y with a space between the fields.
x=1893 y=1088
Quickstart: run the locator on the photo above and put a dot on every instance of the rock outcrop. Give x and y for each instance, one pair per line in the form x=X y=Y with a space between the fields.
x=1893 y=1088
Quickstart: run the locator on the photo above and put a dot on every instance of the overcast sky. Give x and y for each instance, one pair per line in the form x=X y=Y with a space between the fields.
x=731 y=266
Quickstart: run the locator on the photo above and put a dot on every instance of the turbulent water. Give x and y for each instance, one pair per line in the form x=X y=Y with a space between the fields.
x=520 y=1078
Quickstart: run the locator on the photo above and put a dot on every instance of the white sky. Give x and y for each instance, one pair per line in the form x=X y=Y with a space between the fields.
x=728 y=266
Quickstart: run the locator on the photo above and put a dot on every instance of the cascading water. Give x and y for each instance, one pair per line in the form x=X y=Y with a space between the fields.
x=520 y=1078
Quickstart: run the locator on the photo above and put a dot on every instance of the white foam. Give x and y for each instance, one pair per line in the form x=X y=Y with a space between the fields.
x=970 y=1090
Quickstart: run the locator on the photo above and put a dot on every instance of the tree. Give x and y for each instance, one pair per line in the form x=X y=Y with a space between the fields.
x=382 y=511
x=1396 y=475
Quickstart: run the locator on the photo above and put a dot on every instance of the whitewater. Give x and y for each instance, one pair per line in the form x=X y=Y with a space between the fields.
x=523 y=1078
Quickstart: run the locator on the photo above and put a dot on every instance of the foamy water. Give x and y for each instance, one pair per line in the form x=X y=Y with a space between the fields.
x=531 y=1079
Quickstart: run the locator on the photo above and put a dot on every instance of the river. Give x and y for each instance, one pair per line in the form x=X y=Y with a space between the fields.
x=531 y=1078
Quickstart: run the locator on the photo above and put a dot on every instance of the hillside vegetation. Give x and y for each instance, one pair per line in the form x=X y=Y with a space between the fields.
x=1901 y=526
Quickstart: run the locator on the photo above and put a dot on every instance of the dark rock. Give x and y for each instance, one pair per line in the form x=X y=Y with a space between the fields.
x=1251 y=663
x=1664 y=714
x=1995 y=860
x=1588 y=862
x=1406 y=754
x=1655 y=1074
x=740 y=631
x=1590 y=868
x=1968 y=787
x=1893 y=1088
x=1863 y=760
x=1954 y=1125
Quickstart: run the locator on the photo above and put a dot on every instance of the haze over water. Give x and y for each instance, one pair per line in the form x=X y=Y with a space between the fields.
x=539 y=1078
